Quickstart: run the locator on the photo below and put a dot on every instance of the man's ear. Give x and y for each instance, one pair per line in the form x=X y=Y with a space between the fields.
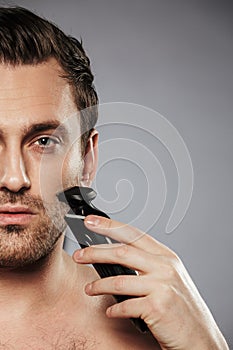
x=90 y=159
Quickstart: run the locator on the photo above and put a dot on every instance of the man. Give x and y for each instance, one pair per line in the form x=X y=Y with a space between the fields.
x=47 y=299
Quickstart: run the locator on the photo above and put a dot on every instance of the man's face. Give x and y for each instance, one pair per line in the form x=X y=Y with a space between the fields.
x=37 y=155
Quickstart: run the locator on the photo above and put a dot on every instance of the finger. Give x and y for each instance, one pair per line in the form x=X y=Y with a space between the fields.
x=126 y=234
x=122 y=254
x=120 y=285
x=130 y=308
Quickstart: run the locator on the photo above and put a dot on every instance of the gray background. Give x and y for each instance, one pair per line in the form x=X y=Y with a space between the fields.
x=174 y=57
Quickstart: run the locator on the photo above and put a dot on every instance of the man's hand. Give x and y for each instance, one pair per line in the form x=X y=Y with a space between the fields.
x=165 y=296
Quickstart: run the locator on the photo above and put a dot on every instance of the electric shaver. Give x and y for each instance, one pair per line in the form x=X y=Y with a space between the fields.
x=79 y=200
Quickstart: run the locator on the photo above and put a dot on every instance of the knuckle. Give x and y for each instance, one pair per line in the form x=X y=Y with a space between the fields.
x=172 y=273
x=119 y=283
x=173 y=265
x=154 y=305
x=123 y=308
x=107 y=224
x=174 y=257
x=89 y=252
x=161 y=305
x=121 y=251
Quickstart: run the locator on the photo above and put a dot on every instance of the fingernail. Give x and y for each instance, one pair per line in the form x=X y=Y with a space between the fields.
x=92 y=220
x=78 y=254
x=109 y=311
x=88 y=288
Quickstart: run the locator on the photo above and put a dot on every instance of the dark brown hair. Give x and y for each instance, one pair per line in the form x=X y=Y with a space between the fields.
x=26 y=38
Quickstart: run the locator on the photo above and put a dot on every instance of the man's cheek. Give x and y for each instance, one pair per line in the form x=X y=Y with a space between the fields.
x=72 y=171
x=50 y=179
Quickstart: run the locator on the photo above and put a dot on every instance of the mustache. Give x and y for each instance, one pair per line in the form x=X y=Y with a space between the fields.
x=26 y=199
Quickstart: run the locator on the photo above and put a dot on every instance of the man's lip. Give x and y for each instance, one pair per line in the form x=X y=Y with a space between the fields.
x=17 y=209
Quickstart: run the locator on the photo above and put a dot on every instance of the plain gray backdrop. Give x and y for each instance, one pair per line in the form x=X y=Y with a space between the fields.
x=175 y=57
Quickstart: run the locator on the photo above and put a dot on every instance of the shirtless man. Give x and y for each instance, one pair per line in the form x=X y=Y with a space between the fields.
x=47 y=299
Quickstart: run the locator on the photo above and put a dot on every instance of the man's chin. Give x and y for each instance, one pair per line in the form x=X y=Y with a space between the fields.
x=27 y=265
x=23 y=249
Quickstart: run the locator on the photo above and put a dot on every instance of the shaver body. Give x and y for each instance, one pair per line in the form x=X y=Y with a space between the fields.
x=79 y=199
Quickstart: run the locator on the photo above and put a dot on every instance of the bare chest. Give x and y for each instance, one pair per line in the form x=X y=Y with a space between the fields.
x=71 y=329
x=47 y=334
x=63 y=340
x=74 y=341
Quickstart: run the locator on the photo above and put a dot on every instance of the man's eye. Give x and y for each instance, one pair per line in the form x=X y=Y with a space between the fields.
x=46 y=142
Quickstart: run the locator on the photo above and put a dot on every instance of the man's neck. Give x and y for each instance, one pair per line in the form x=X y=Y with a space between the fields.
x=35 y=286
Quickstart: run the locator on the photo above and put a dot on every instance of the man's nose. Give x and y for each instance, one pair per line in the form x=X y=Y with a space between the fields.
x=13 y=172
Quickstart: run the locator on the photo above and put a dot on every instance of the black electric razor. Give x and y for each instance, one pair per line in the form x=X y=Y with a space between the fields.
x=79 y=199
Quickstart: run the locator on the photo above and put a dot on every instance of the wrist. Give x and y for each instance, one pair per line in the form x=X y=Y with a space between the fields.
x=216 y=342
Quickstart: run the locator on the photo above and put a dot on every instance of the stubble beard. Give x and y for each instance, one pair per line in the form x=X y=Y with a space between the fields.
x=20 y=245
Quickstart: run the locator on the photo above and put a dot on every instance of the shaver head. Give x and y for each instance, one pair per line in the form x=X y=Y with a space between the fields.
x=79 y=200
x=77 y=195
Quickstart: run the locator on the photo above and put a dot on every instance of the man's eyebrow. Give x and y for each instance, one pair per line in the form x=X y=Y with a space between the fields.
x=45 y=126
